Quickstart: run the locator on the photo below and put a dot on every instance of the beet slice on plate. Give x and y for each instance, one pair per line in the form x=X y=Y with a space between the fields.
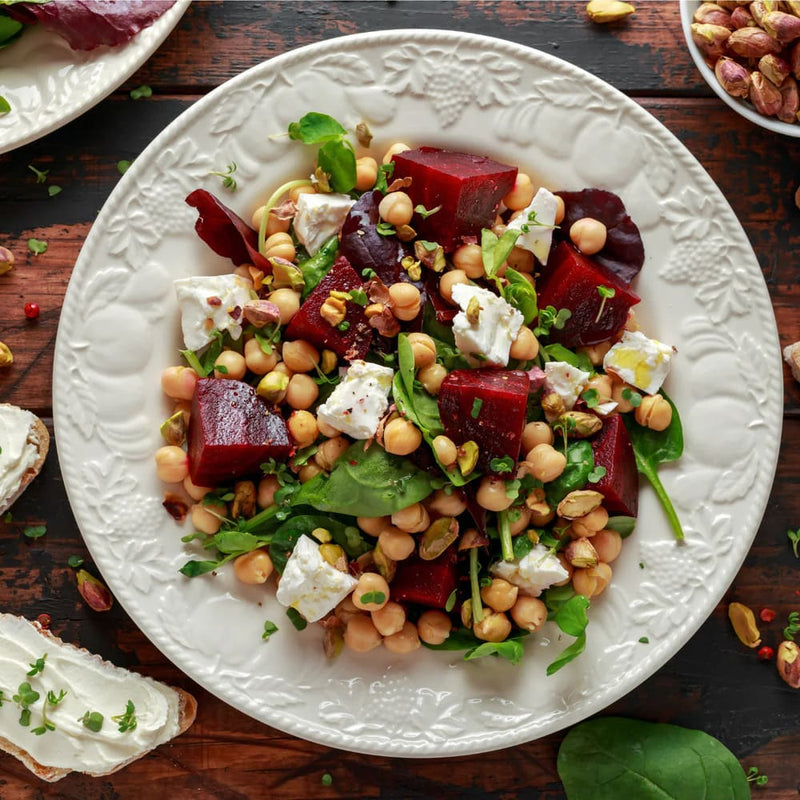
x=620 y=485
x=468 y=188
x=232 y=431
x=486 y=406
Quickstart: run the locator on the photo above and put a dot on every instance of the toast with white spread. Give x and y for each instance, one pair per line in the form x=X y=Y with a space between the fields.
x=24 y=442
x=106 y=717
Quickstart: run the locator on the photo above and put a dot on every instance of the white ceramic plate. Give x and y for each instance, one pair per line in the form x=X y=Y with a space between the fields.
x=701 y=290
x=742 y=107
x=48 y=84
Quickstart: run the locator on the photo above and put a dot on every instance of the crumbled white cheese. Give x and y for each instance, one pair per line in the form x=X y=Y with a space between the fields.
x=310 y=584
x=487 y=341
x=357 y=404
x=534 y=572
x=536 y=223
x=566 y=381
x=318 y=217
x=211 y=303
x=639 y=361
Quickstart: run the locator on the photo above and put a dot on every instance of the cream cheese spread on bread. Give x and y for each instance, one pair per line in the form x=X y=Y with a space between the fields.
x=91 y=684
x=19 y=449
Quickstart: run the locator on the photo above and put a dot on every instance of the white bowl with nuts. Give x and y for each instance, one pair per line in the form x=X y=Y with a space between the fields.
x=749 y=54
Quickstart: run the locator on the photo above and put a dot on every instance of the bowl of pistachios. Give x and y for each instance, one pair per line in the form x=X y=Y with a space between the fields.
x=749 y=54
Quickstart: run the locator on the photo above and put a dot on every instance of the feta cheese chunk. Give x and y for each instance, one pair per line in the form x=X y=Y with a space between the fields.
x=487 y=341
x=318 y=217
x=534 y=572
x=357 y=404
x=566 y=381
x=639 y=361
x=211 y=303
x=536 y=223
x=310 y=584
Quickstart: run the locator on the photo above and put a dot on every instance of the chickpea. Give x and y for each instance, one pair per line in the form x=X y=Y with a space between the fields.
x=494 y=627
x=345 y=611
x=591 y=523
x=327 y=430
x=654 y=412
x=545 y=462
x=492 y=494
x=274 y=223
x=591 y=581
x=330 y=451
x=256 y=360
x=448 y=505
x=404 y=641
x=500 y=595
x=631 y=323
x=172 y=464
x=283 y=369
x=366 y=173
x=541 y=518
x=602 y=385
x=280 y=245
x=301 y=392
x=608 y=545
x=194 y=491
x=396 y=544
x=308 y=471
x=448 y=280
x=401 y=437
x=396 y=208
x=361 y=634
x=469 y=259
x=288 y=301
x=233 y=365
x=300 y=356
x=179 y=382
x=434 y=626
x=295 y=193
x=431 y=378
x=373 y=525
x=302 y=426
x=424 y=349
x=529 y=613
x=521 y=193
x=412 y=519
x=617 y=389
x=208 y=519
x=445 y=450
x=267 y=487
x=374 y=588
x=536 y=433
x=254 y=567
x=561 y=210
x=397 y=147
x=526 y=346
x=522 y=518
x=521 y=260
x=588 y=235
x=406 y=300
x=595 y=352
x=389 y=619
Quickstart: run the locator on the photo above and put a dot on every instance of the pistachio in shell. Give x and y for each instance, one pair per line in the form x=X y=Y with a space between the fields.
x=438 y=537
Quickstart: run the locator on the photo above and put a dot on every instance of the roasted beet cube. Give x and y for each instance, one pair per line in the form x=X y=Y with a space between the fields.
x=468 y=188
x=486 y=406
x=426 y=583
x=231 y=432
x=573 y=281
x=308 y=324
x=620 y=485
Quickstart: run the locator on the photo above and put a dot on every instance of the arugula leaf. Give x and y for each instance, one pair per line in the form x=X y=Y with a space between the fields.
x=316 y=128
x=612 y=757
x=652 y=448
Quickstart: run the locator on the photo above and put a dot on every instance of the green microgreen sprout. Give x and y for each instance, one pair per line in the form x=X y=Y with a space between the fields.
x=644 y=640
x=373 y=597
x=385 y=229
x=53 y=190
x=564 y=425
x=141 y=91
x=25 y=697
x=75 y=561
x=448 y=607
x=793 y=626
x=591 y=397
x=598 y=473
x=794 y=539
x=477 y=405
x=93 y=720
x=34 y=531
x=425 y=212
x=632 y=396
x=228 y=181
x=605 y=292
x=269 y=628
x=327 y=779
x=127 y=720
x=41 y=174
x=474 y=568
x=37 y=246
x=754 y=776
x=37 y=666
x=549 y=318
x=123 y=166
x=500 y=465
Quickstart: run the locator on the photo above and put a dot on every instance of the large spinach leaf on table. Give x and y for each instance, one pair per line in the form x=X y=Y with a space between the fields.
x=366 y=483
x=611 y=758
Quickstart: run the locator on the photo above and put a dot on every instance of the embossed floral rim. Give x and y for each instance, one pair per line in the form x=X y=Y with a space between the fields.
x=684 y=590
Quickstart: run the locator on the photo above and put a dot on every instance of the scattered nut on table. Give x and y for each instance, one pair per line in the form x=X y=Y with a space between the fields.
x=788 y=663
x=605 y=11
x=791 y=355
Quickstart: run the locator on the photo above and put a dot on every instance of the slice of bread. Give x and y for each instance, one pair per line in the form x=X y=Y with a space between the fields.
x=20 y=636
x=39 y=438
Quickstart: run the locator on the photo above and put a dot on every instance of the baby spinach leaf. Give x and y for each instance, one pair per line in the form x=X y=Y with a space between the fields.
x=510 y=649
x=571 y=618
x=10 y=31
x=557 y=352
x=338 y=160
x=371 y=483
x=568 y=654
x=624 y=526
x=314 y=269
x=520 y=294
x=316 y=128
x=613 y=757
x=496 y=249
x=462 y=639
x=652 y=448
x=580 y=463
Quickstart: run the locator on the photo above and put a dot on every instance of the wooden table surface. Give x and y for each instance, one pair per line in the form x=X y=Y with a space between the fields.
x=713 y=684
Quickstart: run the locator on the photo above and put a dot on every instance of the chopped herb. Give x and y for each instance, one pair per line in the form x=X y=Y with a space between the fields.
x=549 y=318
x=597 y=474
x=34 y=531
x=93 y=720
x=5 y=106
x=358 y=296
x=591 y=397
x=141 y=91
x=793 y=627
x=123 y=166
x=504 y=464
x=221 y=368
x=633 y=397
x=424 y=212
x=343 y=325
x=37 y=666
x=385 y=171
x=53 y=190
x=448 y=607
x=385 y=229
x=644 y=640
x=127 y=720
x=327 y=779
x=296 y=618
x=641 y=565
x=794 y=538
x=41 y=174
x=37 y=246
x=477 y=405
x=373 y=597
x=269 y=628
x=75 y=561
x=368 y=273
x=228 y=181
